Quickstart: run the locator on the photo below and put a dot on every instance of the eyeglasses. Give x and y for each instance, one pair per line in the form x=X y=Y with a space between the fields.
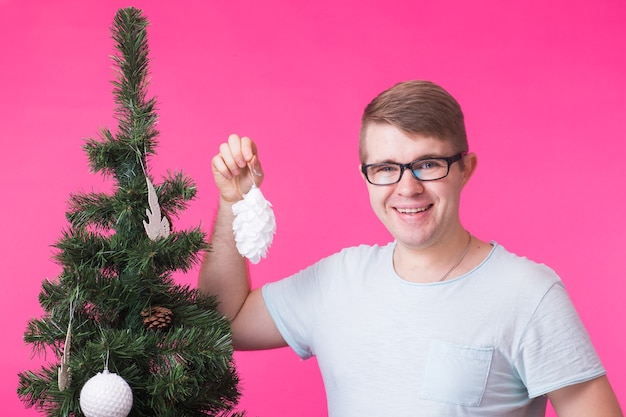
x=430 y=169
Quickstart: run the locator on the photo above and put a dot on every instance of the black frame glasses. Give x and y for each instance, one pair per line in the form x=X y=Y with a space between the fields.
x=366 y=168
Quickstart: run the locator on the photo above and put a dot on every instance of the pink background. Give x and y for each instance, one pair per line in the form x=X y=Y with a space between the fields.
x=542 y=84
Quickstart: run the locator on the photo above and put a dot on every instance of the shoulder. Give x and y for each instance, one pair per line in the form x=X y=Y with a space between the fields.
x=333 y=275
x=358 y=255
x=366 y=251
x=516 y=266
x=357 y=260
x=349 y=265
x=516 y=278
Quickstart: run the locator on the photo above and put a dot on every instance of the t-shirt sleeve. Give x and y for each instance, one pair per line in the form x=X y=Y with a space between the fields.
x=556 y=350
x=293 y=304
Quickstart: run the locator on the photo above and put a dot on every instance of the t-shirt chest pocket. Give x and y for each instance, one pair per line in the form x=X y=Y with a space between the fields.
x=456 y=374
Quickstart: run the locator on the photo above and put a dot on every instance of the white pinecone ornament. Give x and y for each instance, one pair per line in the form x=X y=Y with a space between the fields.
x=254 y=225
x=106 y=395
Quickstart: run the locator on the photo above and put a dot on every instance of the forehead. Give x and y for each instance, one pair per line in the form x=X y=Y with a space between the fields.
x=384 y=142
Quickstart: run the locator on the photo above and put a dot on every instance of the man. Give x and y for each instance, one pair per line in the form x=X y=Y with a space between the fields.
x=437 y=322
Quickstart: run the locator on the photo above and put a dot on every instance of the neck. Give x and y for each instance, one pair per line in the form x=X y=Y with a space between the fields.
x=436 y=262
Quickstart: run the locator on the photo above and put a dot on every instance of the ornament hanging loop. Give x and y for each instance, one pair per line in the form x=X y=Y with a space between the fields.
x=253 y=172
x=106 y=360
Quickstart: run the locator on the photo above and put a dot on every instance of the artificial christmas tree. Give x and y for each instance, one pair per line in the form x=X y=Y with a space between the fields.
x=114 y=315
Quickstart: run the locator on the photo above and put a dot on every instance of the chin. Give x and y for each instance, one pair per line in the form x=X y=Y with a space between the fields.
x=416 y=239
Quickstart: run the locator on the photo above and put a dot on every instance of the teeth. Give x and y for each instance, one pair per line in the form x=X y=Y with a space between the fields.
x=412 y=210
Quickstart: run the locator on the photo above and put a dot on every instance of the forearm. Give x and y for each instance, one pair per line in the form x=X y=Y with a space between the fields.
x=224 y=272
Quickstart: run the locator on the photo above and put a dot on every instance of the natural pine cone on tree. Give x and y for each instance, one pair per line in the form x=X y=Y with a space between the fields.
x=157 y=317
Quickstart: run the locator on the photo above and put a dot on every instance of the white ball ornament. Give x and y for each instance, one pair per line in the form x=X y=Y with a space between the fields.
x=106 y=395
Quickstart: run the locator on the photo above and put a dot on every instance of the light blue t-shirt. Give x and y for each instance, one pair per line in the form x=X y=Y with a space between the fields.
x=488 y=343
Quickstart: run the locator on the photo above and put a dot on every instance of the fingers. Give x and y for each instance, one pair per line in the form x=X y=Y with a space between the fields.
x=236 y=167
x=255 y=167
x=236 y=150
x=234 y=156
x=248 y=148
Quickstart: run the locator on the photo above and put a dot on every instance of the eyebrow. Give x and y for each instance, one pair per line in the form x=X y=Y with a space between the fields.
x=390 y=161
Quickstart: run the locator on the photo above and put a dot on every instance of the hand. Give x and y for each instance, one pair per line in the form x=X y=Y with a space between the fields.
x=231 y=168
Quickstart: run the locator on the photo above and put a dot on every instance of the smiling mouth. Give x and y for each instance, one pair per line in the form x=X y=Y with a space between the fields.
x=413 y=210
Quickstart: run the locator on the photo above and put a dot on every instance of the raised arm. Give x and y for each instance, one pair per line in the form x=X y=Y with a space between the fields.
x=224 y=272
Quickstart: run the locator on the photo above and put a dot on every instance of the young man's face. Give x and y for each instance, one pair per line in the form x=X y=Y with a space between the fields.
x=419 y=214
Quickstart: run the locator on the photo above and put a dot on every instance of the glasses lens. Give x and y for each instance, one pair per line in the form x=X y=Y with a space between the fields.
x=430 y=169
x=382 y=174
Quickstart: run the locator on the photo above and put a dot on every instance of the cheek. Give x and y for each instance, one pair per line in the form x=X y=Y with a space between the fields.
x=372 y=196
x=451 y=198
x=377 y=198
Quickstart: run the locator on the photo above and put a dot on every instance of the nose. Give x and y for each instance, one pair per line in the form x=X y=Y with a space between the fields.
x=408 y=184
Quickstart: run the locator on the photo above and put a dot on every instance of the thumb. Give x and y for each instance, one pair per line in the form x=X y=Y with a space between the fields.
x=256 y=171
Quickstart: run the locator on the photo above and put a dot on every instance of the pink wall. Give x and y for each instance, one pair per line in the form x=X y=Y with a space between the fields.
x=543 y=86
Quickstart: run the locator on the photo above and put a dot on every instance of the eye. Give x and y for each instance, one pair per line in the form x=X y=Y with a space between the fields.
x=383 y=169
x=428 y=164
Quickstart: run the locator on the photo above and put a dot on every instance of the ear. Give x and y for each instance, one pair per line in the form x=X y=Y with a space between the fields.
x=362 y=174
x=470 y=161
